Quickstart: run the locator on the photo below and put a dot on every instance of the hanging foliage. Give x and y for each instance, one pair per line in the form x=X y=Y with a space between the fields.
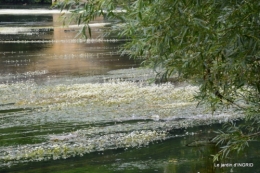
x=213 y=43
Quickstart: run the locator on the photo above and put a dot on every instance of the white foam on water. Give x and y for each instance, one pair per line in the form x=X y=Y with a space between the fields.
x=30 y=11
x=14 y=30
x=17 y=30
x=91 y=25
x=41 y=11
x=114 y=101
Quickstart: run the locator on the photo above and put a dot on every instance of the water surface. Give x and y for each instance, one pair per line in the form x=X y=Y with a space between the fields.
x=75 y=105
x=38 y=47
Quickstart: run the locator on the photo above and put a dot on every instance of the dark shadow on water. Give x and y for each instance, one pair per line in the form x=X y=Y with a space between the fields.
x=27 y=6
x=15 y=110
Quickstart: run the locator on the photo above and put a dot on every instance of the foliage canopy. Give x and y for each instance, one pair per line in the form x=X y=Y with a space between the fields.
x=214 y=43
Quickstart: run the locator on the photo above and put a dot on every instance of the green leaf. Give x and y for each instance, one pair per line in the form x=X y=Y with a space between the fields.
x=89 y=30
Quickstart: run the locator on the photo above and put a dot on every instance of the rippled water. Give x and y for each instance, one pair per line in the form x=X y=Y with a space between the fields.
x=73 y=105
x=37 y=46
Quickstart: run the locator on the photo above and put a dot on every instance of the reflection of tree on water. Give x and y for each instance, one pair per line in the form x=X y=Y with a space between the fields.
x=194 y=158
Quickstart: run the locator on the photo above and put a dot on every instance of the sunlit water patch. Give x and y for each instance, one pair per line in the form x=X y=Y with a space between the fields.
x=39 y=44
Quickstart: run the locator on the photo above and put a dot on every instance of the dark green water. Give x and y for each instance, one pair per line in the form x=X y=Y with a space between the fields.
x=170 y=156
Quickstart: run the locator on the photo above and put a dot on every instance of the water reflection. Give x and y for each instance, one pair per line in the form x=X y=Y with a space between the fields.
x=39 y=43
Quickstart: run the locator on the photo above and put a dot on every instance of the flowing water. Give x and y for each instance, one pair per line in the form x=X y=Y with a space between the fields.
x=75 y=105
x=38 y=47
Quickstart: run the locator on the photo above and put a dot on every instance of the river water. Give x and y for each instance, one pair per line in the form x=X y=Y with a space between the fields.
x=38 y=47
x=74 y=105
